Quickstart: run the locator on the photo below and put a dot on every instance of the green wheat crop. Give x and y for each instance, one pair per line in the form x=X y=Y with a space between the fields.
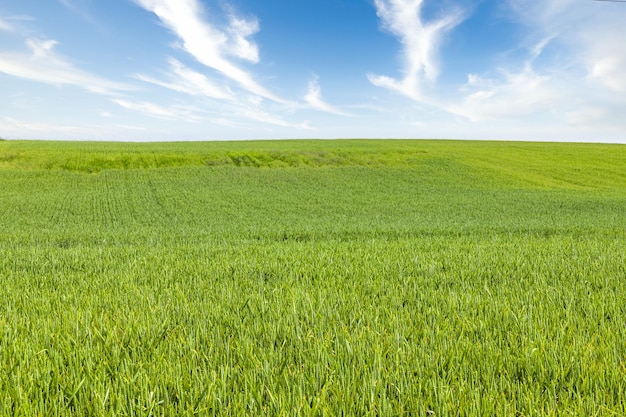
x=312 y=278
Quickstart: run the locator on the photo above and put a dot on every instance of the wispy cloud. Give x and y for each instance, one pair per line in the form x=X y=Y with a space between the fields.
x=230 y=114
x=587 y=32
x=508 y=93
x=80 y=8
x=511 y=95
x=584 y=75
x=420 y=42
x=32 y=129
x=314 y=98
x=184 y=80
x=5 y=26
x=603 y=52
x=259 y=115
x=567 y=68
x=173 y=112
x=210 y=45
x=14 y=23
x=21 y=127
x=43 y=64
x=239 y=30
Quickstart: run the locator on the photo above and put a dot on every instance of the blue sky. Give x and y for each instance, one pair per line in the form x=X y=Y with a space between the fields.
x=247 y=69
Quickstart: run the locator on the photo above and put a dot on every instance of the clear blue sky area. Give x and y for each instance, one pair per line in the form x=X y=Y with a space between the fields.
x=156 y=70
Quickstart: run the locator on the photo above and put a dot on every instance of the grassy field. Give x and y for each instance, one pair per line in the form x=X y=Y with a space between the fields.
x=312 y=278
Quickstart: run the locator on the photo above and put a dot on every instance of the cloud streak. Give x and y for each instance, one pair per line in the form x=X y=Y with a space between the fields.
x=44 y=65
x=230 y=114
x=5 y=26
x=420 y=41
x=510 y=96
x=18 y=126
x=172 y=113
x=80 y=11
x=208 y=44
x=314 y=99
x=586 y=74
x=570 y=71
x=20 y=129
x=187 y=81
x=259 y=115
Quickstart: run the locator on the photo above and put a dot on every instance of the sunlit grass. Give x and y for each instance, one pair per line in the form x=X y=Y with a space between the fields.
x=369 y=278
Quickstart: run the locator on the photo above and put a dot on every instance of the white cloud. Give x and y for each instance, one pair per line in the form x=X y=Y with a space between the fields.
x=314 y=98
x=21 y=127
x=259 y=115
x=208 y=44
x=173 y=112
x=588 y=56
x=239 y=30
x=509 y=96
x=510 y=93
x=230 y=114
x=609 y=70
x=603 y=52
x=571 y=74
x=185 y=80
x=44 y=65
x=5 y=26
x=590 y=33
x=80 y=10
x=586 y=116
x=420 y=42
x=29 y=129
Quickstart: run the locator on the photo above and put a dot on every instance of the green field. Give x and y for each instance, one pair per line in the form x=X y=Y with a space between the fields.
x=312 y=278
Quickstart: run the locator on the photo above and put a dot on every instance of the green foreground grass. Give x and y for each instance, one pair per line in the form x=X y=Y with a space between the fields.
x=312 y=278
